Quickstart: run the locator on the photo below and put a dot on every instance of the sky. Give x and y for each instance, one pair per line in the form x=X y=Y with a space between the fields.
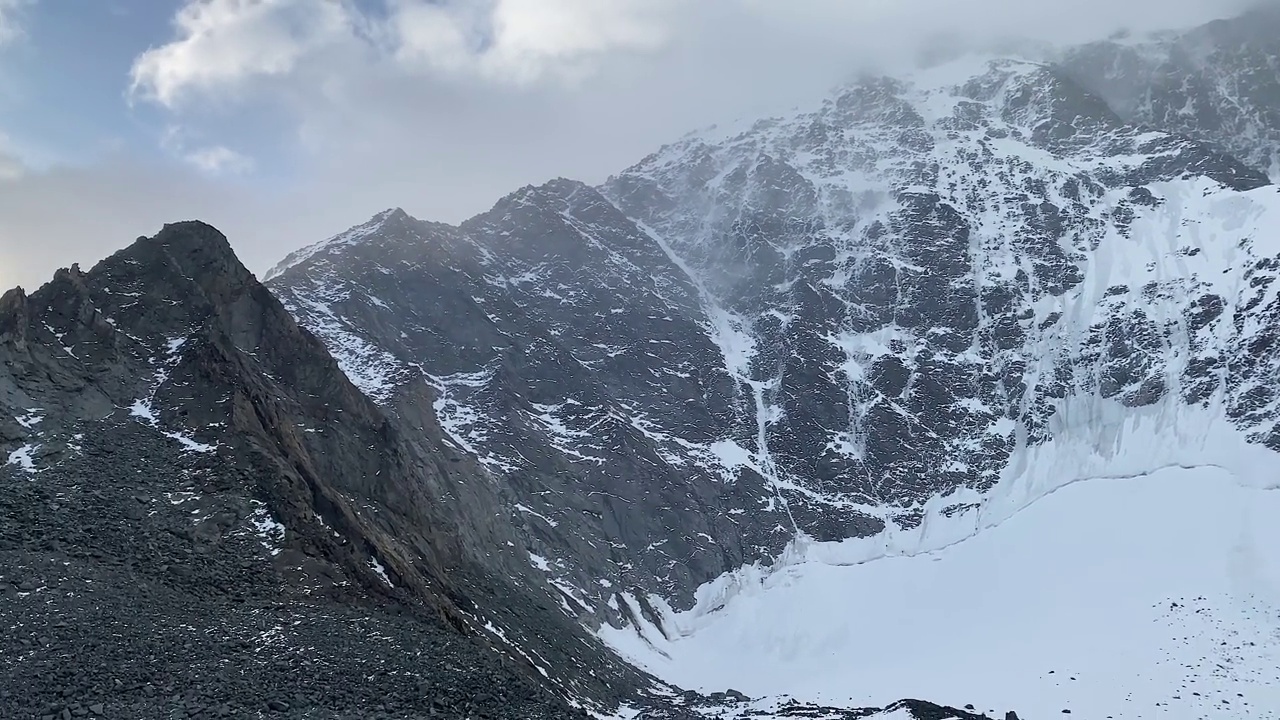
x=283 y=122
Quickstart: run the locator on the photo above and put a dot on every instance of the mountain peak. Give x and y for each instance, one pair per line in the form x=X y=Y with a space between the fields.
x=391 y=218
x=555 y=190
x=168 y=394
x=191 y=258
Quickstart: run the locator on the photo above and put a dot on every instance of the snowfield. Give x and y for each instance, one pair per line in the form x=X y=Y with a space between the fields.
x=1147 y=597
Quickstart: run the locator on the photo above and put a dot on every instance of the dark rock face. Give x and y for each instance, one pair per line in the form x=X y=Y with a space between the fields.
x=814 y=324
x=562 y=345
x=193 y=480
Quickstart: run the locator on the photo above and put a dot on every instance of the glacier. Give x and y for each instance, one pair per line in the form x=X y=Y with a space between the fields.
x=1155 y=596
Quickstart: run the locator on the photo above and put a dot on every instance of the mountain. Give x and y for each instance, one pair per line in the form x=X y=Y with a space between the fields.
x=958 y=385
x=203 y=515
x=815 y=325
x=879 y=326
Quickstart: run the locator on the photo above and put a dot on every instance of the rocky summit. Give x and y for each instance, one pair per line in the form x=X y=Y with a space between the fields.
x=429 y=470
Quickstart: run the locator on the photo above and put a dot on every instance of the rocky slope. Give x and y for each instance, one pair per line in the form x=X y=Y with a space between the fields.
x=200 y=514
x=825 y=325
x=564 y=355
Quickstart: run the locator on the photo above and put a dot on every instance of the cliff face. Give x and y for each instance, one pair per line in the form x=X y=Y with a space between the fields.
x=258 y=474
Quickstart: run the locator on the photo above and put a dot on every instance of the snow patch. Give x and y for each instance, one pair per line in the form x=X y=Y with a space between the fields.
x=189 y=443
x=269 y=530
x=142 y=409
x=24 y=458
x=564 y=438
x=373 y=370
x=530 y=511
x=380 y=571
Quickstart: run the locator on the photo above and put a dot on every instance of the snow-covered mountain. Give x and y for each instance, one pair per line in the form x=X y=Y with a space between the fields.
x=828 y=325
x=874 y=327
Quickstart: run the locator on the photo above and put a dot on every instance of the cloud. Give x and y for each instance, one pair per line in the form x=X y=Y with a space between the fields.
x=11 y=19
x=222 y=43
x=524 y=40
x=209 y=159
x=299 y=118
x=217 y=159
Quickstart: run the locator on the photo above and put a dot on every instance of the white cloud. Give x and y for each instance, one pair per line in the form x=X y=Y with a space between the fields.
x=525 y=40
x=221 y=43
x=209 y=159
x=11 y=19
x=217 y=159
